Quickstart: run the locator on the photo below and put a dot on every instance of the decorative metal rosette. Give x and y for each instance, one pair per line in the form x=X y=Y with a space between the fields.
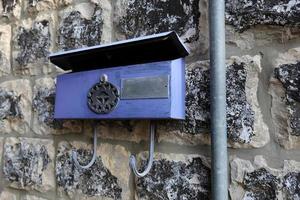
x=103 y=97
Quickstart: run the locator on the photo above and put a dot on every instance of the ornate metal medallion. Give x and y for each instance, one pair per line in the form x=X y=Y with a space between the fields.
x=103 y=97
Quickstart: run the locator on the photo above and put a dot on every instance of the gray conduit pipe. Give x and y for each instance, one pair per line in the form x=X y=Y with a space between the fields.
x=218 y=100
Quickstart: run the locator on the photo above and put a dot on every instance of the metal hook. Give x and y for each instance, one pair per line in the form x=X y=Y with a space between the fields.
x=132 y=161
x=74 y=154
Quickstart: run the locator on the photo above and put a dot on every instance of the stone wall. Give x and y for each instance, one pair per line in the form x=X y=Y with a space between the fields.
x=263 y=102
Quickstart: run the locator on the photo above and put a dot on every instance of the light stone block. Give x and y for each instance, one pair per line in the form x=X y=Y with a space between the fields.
x=7 y=195
x=32 y=197
x=5 y=38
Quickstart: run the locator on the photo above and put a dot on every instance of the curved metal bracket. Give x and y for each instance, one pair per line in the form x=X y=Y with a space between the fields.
x=132 y=161
x=74 y=155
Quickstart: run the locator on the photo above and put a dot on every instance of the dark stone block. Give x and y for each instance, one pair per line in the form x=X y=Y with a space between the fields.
x=24 y=163
x=33 y=43
x=8 y=5
x=144 y=17
x=175 y=180
x=240 y=116
x=43 y=104
x=75 y=31
x=289 y=76
x=197 y=100
x=291 y=185
x=1 y=56
x=247 y=13
x=95 y=181
x=9 y=105
x=33 y=2
x=261 y=185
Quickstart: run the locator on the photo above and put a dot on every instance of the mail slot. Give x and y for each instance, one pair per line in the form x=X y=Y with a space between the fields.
x=141 y=78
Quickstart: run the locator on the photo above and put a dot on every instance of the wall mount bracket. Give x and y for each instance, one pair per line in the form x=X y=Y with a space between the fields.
x=132 y=160
x=74 y=155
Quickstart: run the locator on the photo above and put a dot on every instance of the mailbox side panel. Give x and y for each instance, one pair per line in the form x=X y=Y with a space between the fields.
x=178 y=89
x=72 y=90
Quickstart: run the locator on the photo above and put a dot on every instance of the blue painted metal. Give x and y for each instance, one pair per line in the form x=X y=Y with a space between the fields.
x=72 y=90
x=155 y=62
x=151 y=48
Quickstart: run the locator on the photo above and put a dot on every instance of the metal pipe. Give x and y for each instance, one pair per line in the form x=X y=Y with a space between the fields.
x=218 y=100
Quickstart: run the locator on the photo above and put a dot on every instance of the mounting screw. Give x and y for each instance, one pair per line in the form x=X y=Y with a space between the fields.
x=104 y=78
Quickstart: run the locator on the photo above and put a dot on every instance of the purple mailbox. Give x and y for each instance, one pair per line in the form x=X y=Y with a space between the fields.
x=141 y=78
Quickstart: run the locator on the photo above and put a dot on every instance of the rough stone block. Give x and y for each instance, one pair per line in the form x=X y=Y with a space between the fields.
x=31 y=197
x=1 y=177
x=7 y=195
x=245 y=125
x=43 y=107
x=245 y=14
x=139 y=18
x=15 y=106
x=175 y=176
x=259 y=37
x=285 y=91
x=5 y=38
x=10 y=9
x=29 y=163
x=35 y=6
x=108 y=178
x=259 y=181
x=1 y=149
x=108 y=27
x=32 y=44
x=128 y=130
x=83 y=25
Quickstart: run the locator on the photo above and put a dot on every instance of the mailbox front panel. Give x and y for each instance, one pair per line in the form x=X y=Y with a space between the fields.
x=143 y=91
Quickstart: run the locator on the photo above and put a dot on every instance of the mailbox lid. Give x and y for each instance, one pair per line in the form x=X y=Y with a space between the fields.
x=72 y=90
x=158 y=47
